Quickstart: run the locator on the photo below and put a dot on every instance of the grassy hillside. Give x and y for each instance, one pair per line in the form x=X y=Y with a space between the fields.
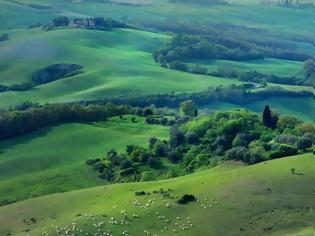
x=53 y=159
x=263 y=199
x=115 y=63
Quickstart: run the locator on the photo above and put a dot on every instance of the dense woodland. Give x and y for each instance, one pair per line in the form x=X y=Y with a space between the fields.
x=198 y=143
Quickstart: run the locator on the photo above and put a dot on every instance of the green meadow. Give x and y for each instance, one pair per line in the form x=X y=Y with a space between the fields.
x=53 y=159
x=264 y=199
x=115 y=63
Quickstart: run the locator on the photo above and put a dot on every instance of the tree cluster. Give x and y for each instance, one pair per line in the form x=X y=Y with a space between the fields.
x=184 y=47
x=238 y=135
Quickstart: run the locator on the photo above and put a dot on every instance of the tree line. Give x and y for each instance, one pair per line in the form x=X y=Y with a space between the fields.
x=18 y=122
x=239 y=95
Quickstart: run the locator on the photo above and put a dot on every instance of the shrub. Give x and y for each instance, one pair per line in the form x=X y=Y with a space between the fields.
x=159 y=149
x=131 y=148
x=140 y=193
x=238 y=154
x=128 y=171
x=188 y=108
x=187 y=198
x=92 y=161
x=177 y=137
x=147 y=176
x=140 y=154
x=174 y=156
x=153 y=162
x=191 y=138
x=61 y=21
x=125 y=164
x=107 y=174
x=164 y=121
x=99 y=166
x=304 y=143
x=283 y=150
x=152 y=142
x=148 y=112
x=287 y=139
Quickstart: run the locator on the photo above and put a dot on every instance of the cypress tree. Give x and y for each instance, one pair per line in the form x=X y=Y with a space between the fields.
x=267 y=117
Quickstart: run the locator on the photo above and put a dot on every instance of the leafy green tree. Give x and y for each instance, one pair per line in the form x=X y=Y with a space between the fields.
x=61 y=21
x=153 y=162
x=188 y=108
x=178 y=65
x=147 y=112
x=152 y=142
x=284 y=150
x=304 y=143
x=191 y=138
x=159 y=149
x=125 y=164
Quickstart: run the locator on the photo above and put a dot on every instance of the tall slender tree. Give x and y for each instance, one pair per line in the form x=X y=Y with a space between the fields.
x=270 y=120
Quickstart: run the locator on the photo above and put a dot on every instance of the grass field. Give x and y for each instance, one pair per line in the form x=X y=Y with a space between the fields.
x=53 y=159
x=115 y=63
x=268 y=66
x=263 y=199
x=302 y=108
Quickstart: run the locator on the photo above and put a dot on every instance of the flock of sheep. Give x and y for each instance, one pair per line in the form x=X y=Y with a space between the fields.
x=104 y=225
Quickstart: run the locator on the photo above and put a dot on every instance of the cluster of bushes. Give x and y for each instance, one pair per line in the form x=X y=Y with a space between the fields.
x=29 y=118
x=118 y=167
x=236 y=135
x=160 y=121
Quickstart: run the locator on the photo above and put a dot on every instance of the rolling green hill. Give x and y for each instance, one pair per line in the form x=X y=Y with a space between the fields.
x=115 y=63
x=53 y=159
x=262 y=199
